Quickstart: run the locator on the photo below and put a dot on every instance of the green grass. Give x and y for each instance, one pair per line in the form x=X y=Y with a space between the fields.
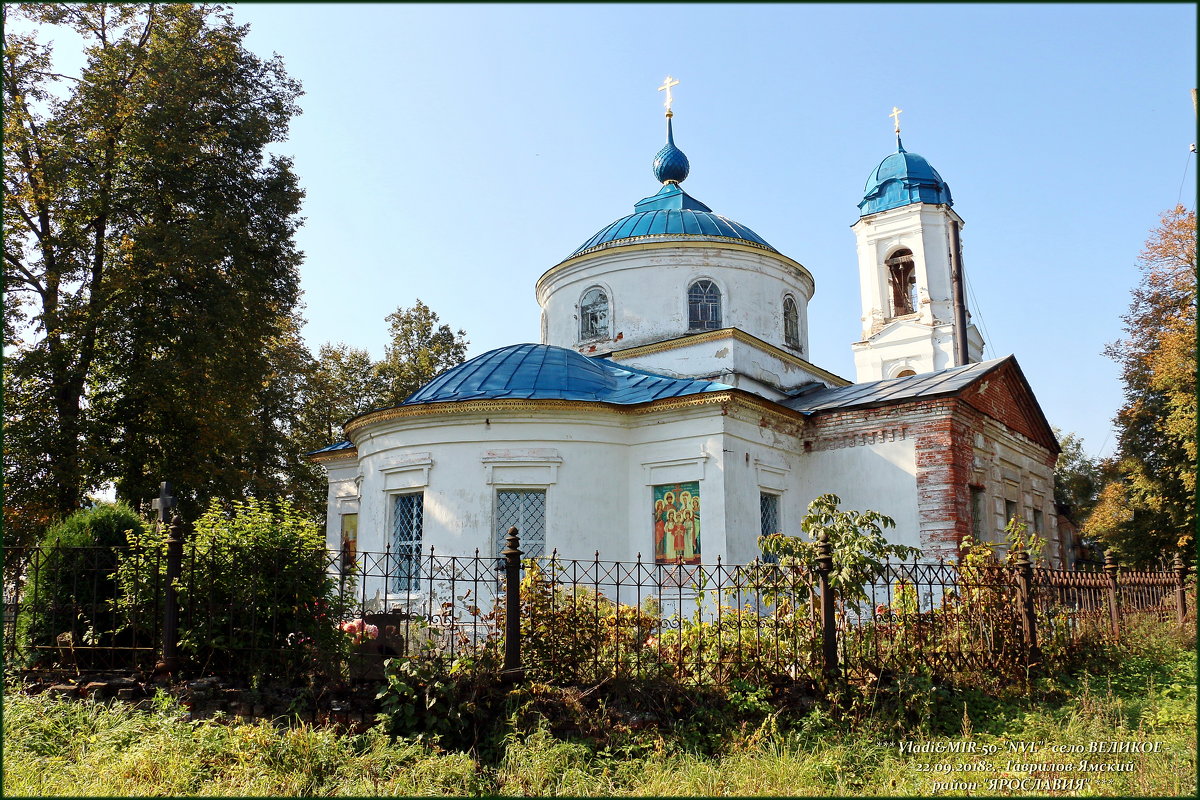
x=1140 y=694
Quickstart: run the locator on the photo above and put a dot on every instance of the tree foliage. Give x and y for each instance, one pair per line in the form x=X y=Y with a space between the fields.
x=341 y=383
x=344 y=382
x=1076 y=476
x=1147 y=510
x=860 y=547
x=149 y=259
x=419 y=350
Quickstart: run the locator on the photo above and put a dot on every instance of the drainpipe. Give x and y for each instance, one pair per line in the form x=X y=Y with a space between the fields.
x=960 y=303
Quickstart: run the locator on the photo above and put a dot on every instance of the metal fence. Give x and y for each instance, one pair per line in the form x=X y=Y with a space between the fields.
x=294 y=614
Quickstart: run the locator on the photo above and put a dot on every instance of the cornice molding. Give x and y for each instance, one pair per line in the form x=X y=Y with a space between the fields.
x=658 y=242
x=337 y=455
x=736 y=334
x=729 y=399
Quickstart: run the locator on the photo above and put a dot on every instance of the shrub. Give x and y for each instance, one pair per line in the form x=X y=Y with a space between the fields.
x=67 y=605
x=255 y=595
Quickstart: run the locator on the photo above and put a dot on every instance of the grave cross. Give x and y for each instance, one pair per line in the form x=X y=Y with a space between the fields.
x=164 y=502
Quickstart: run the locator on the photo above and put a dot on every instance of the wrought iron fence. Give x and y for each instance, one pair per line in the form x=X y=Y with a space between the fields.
x=290 y=614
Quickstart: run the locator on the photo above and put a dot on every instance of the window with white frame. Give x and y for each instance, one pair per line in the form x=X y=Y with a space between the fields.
x=593 y=314
x=525 y=510
x=704 y=306
x=768 y=516
x=407 y=525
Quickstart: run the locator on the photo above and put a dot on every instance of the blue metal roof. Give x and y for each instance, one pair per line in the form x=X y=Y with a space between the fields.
x=544 y=372
x=331 y=448
x=672 y=223
x=901 y=179
x=892 y=390
x=670 y=165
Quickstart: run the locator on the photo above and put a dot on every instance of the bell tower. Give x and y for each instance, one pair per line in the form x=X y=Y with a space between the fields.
x=914 y=311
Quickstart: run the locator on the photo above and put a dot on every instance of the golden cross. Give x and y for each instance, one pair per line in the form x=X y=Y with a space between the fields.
x=896 y=112
x=666 y=87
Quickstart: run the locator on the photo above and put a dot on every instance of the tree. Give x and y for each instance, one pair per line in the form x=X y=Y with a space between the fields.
x=857 y=541
x=149 y=258
x=1076 y=476
x=1148 y=511
x=341 y=383
x=420 y=350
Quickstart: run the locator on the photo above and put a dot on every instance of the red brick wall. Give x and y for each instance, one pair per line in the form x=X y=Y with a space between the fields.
x=943 y=431
x=1003 y=397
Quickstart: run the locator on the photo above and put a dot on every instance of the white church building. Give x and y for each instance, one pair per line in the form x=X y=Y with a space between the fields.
x=670 y=411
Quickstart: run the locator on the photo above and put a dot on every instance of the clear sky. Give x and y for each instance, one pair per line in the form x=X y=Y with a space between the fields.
x=453 y=153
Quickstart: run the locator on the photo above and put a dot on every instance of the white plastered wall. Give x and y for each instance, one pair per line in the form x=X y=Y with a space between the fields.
x=647 y=286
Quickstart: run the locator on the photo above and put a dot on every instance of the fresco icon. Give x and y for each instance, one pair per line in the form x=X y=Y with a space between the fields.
x=677 y=523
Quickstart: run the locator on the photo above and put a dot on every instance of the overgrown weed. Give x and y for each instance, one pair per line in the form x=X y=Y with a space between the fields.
x=622 y=740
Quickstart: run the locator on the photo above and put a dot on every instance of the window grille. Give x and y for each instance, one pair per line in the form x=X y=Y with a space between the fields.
x=704 y=306
x=593 y=314
x=526 y=511
x=768 y=505
x=407 y=514
x=791 y=323
x=977 y=521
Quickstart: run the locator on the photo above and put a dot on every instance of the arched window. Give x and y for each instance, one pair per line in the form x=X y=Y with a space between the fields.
x=704 y=306
x=902 y=278
x=593 y=314
x=791 y=323
x=904 y=373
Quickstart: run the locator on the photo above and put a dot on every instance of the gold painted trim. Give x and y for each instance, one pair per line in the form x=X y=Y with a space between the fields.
x=336 y=455
x=738 y=334
x=732 y=397
x=655 y=243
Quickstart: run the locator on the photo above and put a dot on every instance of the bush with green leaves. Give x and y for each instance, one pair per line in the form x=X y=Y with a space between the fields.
x=574 y=634
x=67 y=604
x=256 y=597
x=857 y=541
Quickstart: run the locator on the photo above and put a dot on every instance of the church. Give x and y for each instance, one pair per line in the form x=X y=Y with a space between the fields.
x=670 y=413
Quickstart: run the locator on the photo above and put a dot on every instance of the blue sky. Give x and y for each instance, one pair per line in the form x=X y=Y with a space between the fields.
x=453 y=153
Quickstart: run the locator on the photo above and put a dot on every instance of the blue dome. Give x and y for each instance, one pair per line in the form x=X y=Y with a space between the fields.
x=901 y=179
x=670 y=165
x=672 y=213
x=544 y=372
x=672 y=224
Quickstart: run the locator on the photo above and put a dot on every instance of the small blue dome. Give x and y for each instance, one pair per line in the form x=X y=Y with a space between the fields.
x=544 y=372
x=670 y=165
x=901 y=179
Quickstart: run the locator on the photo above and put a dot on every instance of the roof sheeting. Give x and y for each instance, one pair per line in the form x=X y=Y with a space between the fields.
x=892 y=390
x=544 y=372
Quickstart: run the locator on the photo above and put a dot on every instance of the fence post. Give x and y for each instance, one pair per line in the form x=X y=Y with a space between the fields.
x=1181 y=572
x=1028 y=610
x=170 y=634
x=1110 y=569
x=824 y=563
x=512 y=606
